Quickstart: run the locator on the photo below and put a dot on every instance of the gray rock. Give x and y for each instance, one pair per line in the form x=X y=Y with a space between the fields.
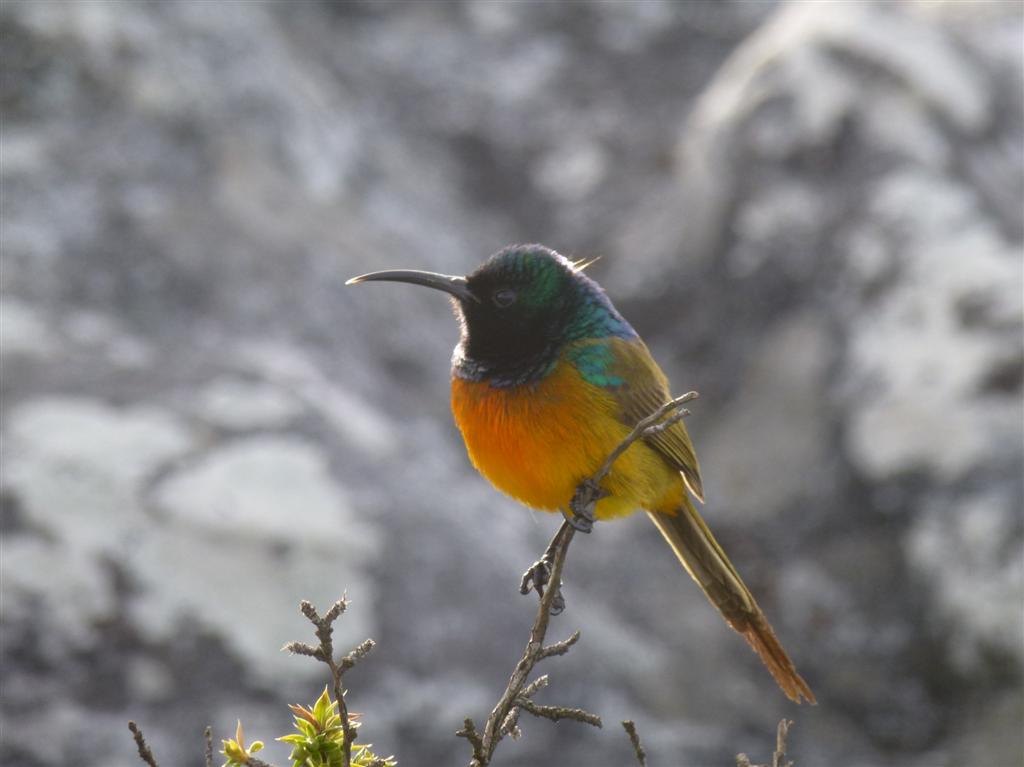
x=202 y=426
x=238 y=404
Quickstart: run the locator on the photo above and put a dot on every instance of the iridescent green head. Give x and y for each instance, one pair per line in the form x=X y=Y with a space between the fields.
x=518 y=310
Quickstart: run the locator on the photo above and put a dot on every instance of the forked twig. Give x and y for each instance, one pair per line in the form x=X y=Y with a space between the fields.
x=517 y=695
x=779 y=755
x=325 y=653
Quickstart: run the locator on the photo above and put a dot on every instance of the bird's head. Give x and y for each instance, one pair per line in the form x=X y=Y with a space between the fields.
x=518 y=309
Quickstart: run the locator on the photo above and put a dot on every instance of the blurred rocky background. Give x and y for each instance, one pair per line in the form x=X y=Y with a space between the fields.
x=812 y=212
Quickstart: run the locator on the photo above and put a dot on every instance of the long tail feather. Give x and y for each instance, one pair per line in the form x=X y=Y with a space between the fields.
x=703 y=558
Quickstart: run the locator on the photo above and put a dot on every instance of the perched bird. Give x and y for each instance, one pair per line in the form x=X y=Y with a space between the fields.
x=547 y=379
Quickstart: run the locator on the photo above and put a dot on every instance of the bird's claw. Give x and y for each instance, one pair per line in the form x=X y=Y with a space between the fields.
x=579 y=517
x=557 y=603
x=536 y=578
x=579 y=522
x=581 y=508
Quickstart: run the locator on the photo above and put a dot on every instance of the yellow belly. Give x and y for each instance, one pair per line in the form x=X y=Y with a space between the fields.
x=537 y=442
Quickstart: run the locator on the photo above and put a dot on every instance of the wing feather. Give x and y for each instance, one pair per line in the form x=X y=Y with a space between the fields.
x=644 y=390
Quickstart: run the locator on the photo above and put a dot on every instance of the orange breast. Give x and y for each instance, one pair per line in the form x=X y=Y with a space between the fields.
x=536 y=442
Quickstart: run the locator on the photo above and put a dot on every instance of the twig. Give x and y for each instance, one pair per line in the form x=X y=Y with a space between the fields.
x=325 y=654
x=469 y=732
x=504 y=715
x=589 y=491
x=140 y=742
x=147 y=755
x=652 y=424
x=559 y=648
x=779 y=756
x=517 y=696
x=537 y=684
x=555 y=713
x=634 y=737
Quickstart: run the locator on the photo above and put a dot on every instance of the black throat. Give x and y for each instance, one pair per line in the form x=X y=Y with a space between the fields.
x=503 y=373
x=510 y=351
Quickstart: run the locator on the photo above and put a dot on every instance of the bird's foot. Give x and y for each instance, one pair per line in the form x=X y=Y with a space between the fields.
x=581 y=508
x=537 y=577
x=579 y=522
x=557 y=603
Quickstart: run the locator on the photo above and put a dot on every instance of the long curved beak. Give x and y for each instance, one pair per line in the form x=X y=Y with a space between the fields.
x=457 y=286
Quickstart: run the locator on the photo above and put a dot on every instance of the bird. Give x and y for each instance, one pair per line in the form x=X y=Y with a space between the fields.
x=546 y=380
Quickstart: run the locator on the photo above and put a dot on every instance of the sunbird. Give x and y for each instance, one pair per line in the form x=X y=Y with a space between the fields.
x=547 y=380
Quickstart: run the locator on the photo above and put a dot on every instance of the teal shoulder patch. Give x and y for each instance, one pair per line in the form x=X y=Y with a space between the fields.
x=595 y=361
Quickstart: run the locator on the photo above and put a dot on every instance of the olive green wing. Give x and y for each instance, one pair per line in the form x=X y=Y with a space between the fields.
x=644 y=389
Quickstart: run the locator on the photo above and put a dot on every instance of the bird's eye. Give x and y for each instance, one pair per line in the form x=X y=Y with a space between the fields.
x=504 y=297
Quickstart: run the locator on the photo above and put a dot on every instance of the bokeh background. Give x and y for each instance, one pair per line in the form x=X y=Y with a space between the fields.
x=812 y=211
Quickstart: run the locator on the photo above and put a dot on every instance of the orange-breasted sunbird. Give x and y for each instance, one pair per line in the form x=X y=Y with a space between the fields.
x=547 y=380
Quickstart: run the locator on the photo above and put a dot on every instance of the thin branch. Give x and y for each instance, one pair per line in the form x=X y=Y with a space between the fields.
x=301 y=648
x=469 y=732
x=147 y=755
x=510 y=726
x=208 y=735
x=356 y=655
x=556 y=713
x=779 y=755
x=559 y=648
x=652 y=424
x=634 y=737
x=324 y=653
x=537 y=684
x=140 y=742
x=503 y=718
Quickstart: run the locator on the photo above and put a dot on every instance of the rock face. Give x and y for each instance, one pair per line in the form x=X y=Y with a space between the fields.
x=811 y=212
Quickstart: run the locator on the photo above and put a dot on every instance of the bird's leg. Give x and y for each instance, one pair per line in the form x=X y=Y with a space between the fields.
x=579 y=522
x=578 y=517
x=581 y=508
x=537 y=576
